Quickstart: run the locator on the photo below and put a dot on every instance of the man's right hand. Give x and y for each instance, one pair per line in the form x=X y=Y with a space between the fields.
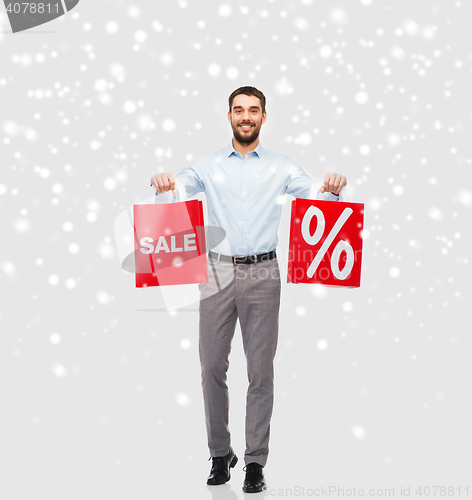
x=164 y=182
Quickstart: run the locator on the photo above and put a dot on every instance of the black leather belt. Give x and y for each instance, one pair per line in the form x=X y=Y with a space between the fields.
x=243 y=259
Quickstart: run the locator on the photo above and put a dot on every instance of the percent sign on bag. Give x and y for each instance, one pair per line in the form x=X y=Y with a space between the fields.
x=325 y=242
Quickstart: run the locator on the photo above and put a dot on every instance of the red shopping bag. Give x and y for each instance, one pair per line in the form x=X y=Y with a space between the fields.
x=325 y=243
x=169 y=243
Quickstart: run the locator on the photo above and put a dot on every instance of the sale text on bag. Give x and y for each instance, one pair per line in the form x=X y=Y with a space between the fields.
x=188 y=242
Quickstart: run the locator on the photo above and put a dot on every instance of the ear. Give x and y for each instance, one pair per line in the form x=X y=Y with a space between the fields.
x=264 y=116
x=229 y=116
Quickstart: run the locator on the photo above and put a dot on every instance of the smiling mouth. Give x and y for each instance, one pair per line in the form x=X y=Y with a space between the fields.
x=246 y=127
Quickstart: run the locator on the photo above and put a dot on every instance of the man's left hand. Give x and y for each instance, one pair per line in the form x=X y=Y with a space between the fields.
x=333 y=183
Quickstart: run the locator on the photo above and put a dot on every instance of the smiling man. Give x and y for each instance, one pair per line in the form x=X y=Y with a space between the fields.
x=243 y=184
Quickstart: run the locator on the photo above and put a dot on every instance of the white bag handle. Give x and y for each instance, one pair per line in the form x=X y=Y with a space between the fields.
x=181 y=191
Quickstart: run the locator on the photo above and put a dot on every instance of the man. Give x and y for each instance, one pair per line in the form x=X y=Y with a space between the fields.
x=243 y=184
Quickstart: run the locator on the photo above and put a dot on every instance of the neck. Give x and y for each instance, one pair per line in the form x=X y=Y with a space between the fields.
x=244 y=148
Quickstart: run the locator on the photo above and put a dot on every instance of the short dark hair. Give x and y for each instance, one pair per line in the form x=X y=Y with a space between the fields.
x=248 y=91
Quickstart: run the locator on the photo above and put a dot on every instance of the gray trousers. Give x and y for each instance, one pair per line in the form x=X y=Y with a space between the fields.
x=252 y=293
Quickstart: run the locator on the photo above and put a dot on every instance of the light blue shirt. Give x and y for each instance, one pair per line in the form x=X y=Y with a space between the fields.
x=245 y=195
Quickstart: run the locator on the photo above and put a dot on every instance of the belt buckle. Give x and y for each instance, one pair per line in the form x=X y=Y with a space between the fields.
x=237 y=257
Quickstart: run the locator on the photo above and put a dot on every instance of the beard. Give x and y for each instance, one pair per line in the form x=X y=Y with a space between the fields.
x=246 y=137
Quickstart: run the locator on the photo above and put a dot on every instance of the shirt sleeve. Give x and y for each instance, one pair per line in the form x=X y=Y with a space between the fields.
x=301 y=185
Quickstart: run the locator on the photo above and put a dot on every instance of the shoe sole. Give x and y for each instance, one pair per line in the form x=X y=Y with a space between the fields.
x=231 y=465
x=253 y=490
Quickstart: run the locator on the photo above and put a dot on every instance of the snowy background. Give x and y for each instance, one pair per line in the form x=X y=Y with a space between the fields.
x=99 y=384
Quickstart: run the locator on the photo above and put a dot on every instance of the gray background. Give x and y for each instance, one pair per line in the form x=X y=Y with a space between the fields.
x=99 y=384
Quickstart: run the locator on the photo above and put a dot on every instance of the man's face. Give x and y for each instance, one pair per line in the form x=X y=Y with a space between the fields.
x=246 y=118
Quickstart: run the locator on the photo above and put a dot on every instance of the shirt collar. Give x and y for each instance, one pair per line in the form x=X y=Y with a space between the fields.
x=229 y=150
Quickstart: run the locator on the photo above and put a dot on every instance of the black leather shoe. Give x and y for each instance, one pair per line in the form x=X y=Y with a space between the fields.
x=219 y=473
x=254 y=481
